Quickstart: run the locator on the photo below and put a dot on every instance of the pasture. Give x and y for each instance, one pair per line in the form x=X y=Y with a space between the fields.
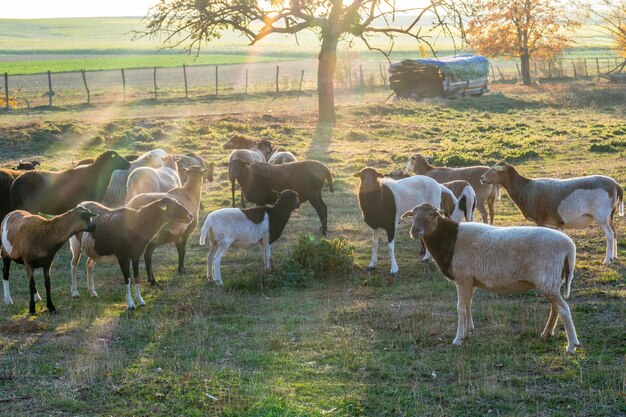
x=325 y=343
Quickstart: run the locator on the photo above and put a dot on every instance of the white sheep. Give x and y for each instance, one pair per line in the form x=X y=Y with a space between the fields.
x=384 y=200
x=499 y=259
x=564 y=203
x=151 y=180
x=115 y=195
x=244 y=228
x=281 y=157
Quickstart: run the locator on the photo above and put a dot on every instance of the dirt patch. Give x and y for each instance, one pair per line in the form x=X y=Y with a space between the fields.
x=21 y=326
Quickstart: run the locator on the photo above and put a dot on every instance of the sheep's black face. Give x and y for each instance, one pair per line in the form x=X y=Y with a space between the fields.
x=289 y=198
x=369 y=177
x=173 y=211
x=113 y=160
x=496 y=174
x=87 y=218
x=235 y=167
x=425 y=220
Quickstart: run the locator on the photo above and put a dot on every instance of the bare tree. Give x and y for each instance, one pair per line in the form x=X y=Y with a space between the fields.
x=192 y=23
x=610 y=18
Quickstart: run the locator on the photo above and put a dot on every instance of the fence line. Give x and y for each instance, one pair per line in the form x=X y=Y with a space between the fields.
x=166 y=83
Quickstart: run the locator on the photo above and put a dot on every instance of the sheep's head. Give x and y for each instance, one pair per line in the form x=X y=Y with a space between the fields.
x=238 y=142
x=112 y=160
x=497 y=174
x=152 y=159
x=196 y=171
x=425 y=219
x=84 y=218
x=398 y=174
x=418 y=164
x=369 y=177
x=265 y=146
x=27 y=165
x=236 y=167
x=169 y=161
x=172 y=210
x=288 y=198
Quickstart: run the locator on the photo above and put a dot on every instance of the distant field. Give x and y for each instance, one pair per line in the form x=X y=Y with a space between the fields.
x=108 y=62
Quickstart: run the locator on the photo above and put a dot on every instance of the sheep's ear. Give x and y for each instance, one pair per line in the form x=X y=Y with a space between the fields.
x=358 y=174
x=163 y=207
x=407 y=214
x=203 y=171
x=185 y=169
x=441 y=213
x=275 y=193
x=93 y=215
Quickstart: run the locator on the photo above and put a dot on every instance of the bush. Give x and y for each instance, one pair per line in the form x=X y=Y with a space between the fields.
x=329 y=257
x=602 y=148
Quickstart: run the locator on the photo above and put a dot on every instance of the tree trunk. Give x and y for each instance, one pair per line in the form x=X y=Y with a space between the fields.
x=325 y=80
x=525 y=69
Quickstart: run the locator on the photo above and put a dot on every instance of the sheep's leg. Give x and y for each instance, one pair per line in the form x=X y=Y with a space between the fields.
x=181 y=247
x=470 y=320
x=392 y=255
x=210 y=258
x=46 y=277
x=243 y=201
x=147 y=257
x=265 y=247
x=463 y=293
x=610 y=236
x=91 y=285
x=322 y=212
x=33 y=289
x=125 y=267
x=480 y=206
x=375 y=239
x=491 y=201
x=566 y=316
x=140 y=301
x=554 y=315
x=612 y=224
x=76 y=253
x=6 y=266
x=217 y=260
x=232 y=189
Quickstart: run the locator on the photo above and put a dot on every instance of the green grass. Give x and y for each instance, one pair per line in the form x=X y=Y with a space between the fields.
x=115 y=62
x=346 y=344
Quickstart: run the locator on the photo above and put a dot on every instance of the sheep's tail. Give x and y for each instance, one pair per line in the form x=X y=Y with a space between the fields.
x=620 y=198
x=206 y=228
x=568 y=270
x=329 y=178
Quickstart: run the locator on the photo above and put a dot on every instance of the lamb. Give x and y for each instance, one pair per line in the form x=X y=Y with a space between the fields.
x=564 y=204
x=189 y=197
x=281 y=157
x=33 y=241
x=121 y=235
x=383 y=200
x=151 y=180
x=116 y=192
x=27 y=165
x=466 y=197
x=189 y=160
x=259 y=153
x=258 y=181
x=244 y=228
x=58 y=192
x=499 y=259
x=485 y=193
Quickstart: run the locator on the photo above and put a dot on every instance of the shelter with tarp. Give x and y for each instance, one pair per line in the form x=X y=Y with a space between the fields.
x=452 y=76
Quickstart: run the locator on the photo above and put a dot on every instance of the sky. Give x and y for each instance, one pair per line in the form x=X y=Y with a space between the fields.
x=35 y=9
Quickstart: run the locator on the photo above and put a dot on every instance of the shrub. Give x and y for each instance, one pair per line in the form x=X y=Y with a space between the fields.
x=322 y=256
x=602 y=148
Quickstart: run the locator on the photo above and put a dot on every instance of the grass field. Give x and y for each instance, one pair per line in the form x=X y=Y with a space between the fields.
x=29 y=46
x=336 y=344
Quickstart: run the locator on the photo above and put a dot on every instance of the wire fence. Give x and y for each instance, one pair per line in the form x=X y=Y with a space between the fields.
x=196 y=81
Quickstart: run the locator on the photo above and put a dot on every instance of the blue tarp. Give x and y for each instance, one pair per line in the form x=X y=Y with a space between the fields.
x=460 y=67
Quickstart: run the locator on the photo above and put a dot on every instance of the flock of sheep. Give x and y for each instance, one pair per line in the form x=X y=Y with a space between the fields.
x=116 y=209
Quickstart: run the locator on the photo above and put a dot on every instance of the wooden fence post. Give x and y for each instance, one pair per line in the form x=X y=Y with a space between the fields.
x=82 y=72
x=217 y=80
x=6 y=90
x=301 y=81
x=123 y=85
x=598 y=64
x=246 y=81
x=155 y=83
x=382 y=73
x=50 y=89
x=519 y=73
x=585 y=64
x=493 y=74
x=561 y=68
x=361 y=76
x=277 y=72
x=185 y=77
x=574 y=68
x=549 y=69
x=500 y=72
x=536 y=72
